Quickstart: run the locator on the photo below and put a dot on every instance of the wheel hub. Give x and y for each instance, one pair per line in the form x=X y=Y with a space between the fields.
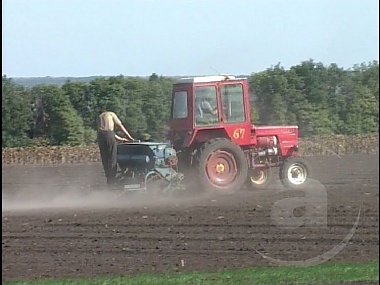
x=297 y=174
x=258 y=176
x=221 y=168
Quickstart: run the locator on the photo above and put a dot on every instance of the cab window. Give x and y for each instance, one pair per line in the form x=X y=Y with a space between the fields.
x=180 y=105
x=206 y=111
x=233 y=103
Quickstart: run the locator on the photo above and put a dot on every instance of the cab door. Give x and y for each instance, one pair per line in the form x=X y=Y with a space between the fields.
x=235 y=111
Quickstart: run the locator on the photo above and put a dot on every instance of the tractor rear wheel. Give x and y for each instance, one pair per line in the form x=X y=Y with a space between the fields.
x=222 y=166
x=295 y=173
x=260 y=178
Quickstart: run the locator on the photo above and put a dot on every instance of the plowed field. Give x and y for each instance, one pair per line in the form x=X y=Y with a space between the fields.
x=56 y=222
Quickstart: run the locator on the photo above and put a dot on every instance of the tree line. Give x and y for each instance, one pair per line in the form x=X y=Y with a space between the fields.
x=320 y=99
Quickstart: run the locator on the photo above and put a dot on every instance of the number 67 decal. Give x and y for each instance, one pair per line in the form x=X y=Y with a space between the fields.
x=238 y=133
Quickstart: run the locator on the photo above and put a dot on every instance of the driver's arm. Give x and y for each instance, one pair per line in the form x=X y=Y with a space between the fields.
x=210 y=109
x=120 y=138
x=120 y=125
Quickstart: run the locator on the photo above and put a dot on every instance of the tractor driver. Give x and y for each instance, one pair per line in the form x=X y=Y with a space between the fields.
x=107 y=137
x=205 y=107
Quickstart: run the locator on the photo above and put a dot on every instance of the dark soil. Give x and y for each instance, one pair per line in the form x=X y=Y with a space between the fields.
x=57 y=222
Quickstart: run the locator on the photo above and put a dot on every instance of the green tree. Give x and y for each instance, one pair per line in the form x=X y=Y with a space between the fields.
x=61 y=124
x=156 y=109
x=270 y=88
x=135 y=119
x=17 y=115
x=316 y=116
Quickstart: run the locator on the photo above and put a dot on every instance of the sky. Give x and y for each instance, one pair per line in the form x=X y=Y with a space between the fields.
x=80 y=38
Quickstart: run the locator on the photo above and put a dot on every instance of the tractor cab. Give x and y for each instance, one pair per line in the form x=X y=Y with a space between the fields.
x=216 y=104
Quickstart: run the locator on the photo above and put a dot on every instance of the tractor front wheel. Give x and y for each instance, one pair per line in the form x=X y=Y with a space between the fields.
x=222 y=166
x=295 y=173
x=260 y=178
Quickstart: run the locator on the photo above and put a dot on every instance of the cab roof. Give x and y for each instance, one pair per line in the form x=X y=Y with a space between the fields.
x=208 y=78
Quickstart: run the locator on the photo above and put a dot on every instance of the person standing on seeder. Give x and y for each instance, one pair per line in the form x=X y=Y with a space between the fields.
x=107 y=142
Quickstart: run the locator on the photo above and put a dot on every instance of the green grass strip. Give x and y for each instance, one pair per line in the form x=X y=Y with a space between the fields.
x=327 y=273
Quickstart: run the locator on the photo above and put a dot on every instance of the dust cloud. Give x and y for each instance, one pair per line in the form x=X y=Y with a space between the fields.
x=51 y=197
x=48 y=197
x=76 y=187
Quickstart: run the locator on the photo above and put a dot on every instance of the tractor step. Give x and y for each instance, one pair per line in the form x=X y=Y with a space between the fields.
x=133 y=187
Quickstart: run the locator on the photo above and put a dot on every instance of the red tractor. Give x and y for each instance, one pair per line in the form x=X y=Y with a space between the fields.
x=212 y=132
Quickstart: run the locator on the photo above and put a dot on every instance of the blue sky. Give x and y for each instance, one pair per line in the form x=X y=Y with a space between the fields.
x=183 y=37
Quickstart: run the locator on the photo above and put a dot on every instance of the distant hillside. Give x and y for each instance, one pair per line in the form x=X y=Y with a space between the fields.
x=32 y=81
